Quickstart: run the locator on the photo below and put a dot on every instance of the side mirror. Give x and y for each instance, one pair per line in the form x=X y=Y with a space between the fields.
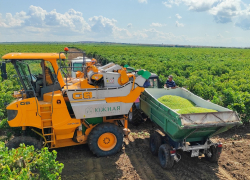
x=3 y=71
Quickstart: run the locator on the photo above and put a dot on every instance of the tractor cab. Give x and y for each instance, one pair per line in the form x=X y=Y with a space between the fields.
x=154 y=81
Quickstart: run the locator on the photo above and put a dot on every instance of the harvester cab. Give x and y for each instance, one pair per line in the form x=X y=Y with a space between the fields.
x=91 y=108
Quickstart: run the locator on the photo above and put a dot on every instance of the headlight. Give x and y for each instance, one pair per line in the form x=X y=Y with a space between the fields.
x=11 y=114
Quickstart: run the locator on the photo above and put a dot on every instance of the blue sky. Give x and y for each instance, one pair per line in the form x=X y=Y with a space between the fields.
x=189 y=22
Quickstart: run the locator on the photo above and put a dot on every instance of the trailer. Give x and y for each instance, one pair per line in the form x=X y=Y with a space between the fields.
x=186 y=132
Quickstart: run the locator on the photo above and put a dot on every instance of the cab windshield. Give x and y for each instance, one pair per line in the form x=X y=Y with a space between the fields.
x=36 y=76
x=25 y=77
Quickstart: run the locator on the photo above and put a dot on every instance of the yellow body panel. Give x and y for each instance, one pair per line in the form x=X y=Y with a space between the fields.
x=84 y=84
x=123 y=79
x=79 y=74
x=27 y=113
x=34 y=56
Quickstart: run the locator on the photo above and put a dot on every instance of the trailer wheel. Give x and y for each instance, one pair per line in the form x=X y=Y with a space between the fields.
x=166 y=161
x=155 y=143
x=135 y=116
x=213 y=154
x=27 y=140
x=105 y=139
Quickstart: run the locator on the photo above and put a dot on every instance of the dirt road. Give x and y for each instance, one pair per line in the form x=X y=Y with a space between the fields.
x=135 y=161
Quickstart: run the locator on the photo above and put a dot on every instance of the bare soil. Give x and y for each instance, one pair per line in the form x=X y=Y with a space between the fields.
x=135 y=161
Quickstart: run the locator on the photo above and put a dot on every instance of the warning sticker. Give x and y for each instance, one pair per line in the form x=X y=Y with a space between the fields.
x=110 y=81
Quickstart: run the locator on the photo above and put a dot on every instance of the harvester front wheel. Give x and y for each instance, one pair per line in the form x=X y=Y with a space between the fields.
x=155 y=142
x=135 y=116
x=27 y=140
x=105 y=139
x=166 y=161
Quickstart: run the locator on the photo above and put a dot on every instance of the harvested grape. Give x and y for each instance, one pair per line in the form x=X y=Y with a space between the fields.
x=176 y=102
x=191 y=110
x=182 y=105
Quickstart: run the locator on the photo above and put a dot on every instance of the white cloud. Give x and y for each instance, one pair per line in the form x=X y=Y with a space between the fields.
x=129 y=25
x=40 y=18
x=178 y=16
x=143 y=1
x=157 y=25
x=219 y=36
x=194 y=5
x=226 y=10
x=167 y=4
x=243 y=20
x=177 y=24
x=200 y=5
x=102 y=26
x=13 y=21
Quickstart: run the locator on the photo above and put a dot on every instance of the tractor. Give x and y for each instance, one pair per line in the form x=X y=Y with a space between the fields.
x=93 y=108
x=136 y=116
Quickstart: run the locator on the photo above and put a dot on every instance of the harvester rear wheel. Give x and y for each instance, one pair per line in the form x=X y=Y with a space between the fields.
x=27 y=140
x=105 y=139
x=155 y=142
x=166 y=161
x=135 y=116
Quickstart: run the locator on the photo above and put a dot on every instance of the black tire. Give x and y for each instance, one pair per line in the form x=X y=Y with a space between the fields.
x=215 y=154
x=155 y=142
x=135 y=117
x=27 y=140
x=166 y=161
x=100 y=130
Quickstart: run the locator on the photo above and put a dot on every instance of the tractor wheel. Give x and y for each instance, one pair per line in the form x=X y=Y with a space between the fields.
x=135 y=116
x=166 y=161
x=27 y=140
x=105 y=139
x=155 y=143
x=213 y=154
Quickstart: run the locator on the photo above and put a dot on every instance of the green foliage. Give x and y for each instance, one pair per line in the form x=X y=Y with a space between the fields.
x=26 y=163
x=218 y=74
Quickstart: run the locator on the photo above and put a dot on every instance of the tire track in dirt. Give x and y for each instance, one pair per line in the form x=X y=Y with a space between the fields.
x=154 y=163
x=174 y=173
x=133 y=158
x=225 y=173
x=149 y=165
x=193 y=168
x=98 y=169
x=187 y=168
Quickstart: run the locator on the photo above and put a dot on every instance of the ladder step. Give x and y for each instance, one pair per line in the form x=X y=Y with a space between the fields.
x=47 y=126
x=48 y=134
x=49 y=141
x=43 y=112
x=45 y=120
